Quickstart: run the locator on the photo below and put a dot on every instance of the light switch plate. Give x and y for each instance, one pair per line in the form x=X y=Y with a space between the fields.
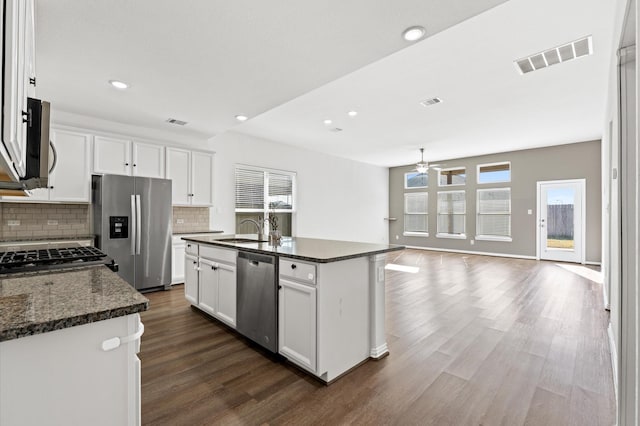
x=179 y=221
x=52 y=222
x=13 y=222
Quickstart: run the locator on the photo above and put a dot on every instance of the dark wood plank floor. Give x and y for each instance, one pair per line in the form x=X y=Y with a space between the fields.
x=474 y=340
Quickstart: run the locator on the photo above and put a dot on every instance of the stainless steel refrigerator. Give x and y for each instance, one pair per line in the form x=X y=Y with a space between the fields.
x=132 y=224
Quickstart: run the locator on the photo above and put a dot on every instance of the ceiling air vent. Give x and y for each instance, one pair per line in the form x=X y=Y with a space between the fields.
x=335 y=129
x=432 y=101
x=564 y=53
x=176 y=122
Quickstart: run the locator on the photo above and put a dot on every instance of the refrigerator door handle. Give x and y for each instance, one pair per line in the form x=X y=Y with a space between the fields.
x=138 y=224
x=133 y=224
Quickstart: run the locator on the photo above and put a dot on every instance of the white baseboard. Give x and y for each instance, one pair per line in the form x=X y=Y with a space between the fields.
x=480 y=253
x=593 y=263
x=378 y=352
x=614 y=365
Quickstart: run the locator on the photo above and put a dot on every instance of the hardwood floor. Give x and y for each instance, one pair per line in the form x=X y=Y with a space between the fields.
x=474 y=340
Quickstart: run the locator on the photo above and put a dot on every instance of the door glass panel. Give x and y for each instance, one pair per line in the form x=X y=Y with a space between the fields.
x=560 y=223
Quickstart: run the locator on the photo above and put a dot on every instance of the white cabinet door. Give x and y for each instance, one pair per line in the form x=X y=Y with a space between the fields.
x=148 y=160
x=201 y=178
x=177 y=263
x=15 y=79
x=297 y=323
x=191 y=279
x=179 y=171
x=70 y=180
x=112 y=156
x=226 y=309
x=208 y=286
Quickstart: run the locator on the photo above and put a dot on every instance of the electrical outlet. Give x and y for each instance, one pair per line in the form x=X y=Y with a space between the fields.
x=397 y=237
x=179 y=221
x=13 y=222
x=52 y=222
x=472 y=242
x=529 y=211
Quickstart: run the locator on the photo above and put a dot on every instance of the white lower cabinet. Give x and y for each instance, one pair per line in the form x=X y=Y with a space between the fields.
x=191 y=279
x=297 y=323
x=323 y=315
x=213 y=282
x=64 y=377
x=177 y=262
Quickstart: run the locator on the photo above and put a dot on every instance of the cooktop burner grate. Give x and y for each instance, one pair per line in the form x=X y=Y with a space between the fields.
x=21 y=260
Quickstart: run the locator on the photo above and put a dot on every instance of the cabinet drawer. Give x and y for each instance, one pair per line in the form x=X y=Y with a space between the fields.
x=191 y=248
x=300 y=271
x=219 y=254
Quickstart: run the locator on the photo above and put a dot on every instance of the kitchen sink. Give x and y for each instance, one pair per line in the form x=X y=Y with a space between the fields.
x=240 y=240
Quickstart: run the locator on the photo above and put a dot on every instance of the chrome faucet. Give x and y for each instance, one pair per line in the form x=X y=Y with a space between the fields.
x=256 y=223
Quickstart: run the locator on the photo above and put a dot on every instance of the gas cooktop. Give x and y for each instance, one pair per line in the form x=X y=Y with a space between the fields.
x=52 y=258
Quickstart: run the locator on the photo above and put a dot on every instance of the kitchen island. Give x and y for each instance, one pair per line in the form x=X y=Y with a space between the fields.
x=330 y=296
x=64 y=357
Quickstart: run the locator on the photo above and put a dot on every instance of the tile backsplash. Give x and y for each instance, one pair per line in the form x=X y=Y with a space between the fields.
x=31 y=221
x=190 y=219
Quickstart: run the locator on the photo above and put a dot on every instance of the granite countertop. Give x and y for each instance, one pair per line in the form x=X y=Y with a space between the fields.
x=34 y=303
x=310 y=249
x=198 y=232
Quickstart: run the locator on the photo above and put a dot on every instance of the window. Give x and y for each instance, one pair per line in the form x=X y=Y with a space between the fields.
x=450 y=177
x=263 y=191
x=415 y=180
x=451 y=214
x=494 y=214
x=493 y=173
x=415 y=214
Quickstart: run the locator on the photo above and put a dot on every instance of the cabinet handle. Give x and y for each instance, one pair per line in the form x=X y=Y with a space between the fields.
x=51 y=187
x=194 y=262
x=279 y=287
x=32 y=81
x=293 y=266
x=134 y=164
x=215 y=268
x=189 y=245
x=126 y=164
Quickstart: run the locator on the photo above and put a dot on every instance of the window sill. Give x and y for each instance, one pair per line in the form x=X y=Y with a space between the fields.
x=415 y=234
x=452 y=236
x=493 y=238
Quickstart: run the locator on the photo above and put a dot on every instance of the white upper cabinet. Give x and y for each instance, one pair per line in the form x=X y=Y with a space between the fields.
x=70 y=180
x=19 y=76
x=125 y=157
x=112 y=156
x=148 y=160
x=192 y=175
x=201 y=178
x=179 y=171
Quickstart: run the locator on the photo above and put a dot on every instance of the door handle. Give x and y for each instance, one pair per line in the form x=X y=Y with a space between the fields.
x=133 y=226
x=138 y=224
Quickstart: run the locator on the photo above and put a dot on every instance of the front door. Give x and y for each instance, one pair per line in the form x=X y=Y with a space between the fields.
x=561 y=220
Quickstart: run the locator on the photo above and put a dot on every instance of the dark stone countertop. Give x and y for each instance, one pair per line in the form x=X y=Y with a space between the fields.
x=34 y=303
x=309 y=249
x=197 y=232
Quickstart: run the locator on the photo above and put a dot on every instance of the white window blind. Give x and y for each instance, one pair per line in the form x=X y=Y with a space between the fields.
x=494 y=212
x=249 y=189
x=451 y=213
x=280 y=191
x=415 y=213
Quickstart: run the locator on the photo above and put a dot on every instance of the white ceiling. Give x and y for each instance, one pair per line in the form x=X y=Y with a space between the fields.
x=291 y=64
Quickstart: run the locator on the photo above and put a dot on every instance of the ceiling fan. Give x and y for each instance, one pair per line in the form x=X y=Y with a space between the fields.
x=422 y=166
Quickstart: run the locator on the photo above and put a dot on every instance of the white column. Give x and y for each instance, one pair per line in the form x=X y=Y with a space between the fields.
x=378 y=340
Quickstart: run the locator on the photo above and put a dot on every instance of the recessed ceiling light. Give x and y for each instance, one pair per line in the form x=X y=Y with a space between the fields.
x=352 y=113
x=118 y=84
x=241 y=117
x=413 y=33
x=327 y=121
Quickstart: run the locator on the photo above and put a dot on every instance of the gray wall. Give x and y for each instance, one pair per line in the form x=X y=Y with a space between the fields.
x=572 y=161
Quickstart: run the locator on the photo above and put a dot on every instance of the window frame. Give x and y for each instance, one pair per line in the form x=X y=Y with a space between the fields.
x=481 y=237
x=463 y=235
x=405 y=213
x=266 y=210
x=499 y=163
x=440 y=185
x=416 y=187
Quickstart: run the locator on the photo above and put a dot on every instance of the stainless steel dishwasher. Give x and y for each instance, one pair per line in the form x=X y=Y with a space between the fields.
x=257 y=301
